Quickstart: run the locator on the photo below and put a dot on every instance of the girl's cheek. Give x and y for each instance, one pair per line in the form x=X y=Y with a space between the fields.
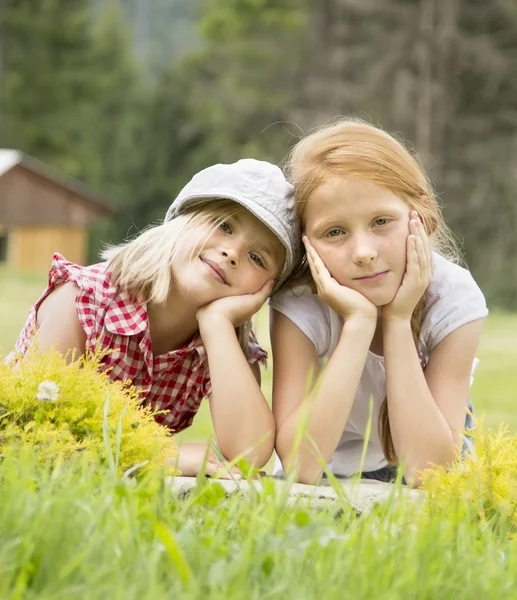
x=191 y=242
x=397 y=241
x=335 y=259
x=323 y=250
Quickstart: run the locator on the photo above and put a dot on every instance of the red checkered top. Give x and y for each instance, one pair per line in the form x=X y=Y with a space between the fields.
x=175 y=382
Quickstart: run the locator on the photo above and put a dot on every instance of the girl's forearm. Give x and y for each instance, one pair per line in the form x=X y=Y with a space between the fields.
x=243 y=421
x=421 y=434
x=329 y=405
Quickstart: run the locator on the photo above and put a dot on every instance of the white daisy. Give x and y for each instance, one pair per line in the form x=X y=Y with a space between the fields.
x=48 y=391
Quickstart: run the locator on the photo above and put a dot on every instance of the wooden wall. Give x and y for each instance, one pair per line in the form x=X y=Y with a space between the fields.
x=42 y=216
x=31 y=248
x=27 y=198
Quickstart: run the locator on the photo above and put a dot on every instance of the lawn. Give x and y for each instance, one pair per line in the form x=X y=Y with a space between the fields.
x=79 y=531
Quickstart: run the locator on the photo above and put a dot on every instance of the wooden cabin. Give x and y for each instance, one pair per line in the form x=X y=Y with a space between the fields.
x=42 y=212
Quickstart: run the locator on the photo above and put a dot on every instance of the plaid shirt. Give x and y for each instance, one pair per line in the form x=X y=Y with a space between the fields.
x=174 y=383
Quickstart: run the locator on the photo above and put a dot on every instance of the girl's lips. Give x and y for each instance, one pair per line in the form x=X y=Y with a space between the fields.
x=215 y=270
x=373 y=278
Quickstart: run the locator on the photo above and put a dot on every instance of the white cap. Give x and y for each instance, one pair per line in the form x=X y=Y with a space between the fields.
x=257 y=185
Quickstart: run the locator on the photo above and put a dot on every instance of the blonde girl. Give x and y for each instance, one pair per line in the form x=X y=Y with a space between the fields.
x=173 y=307
x=387 y=314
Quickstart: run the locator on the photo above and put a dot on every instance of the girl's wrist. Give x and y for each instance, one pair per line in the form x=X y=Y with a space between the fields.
x=214 y=323
x=360 y=322
x=396 y=323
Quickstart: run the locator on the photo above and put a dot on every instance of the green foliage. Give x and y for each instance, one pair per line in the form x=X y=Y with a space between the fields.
x=119 y=99
x=46 y=81
x=163 y=29
x=119 y=113
x=73 y=96
x=485 y=479
x=76 y=531
x=240 y=90
x=60 y=409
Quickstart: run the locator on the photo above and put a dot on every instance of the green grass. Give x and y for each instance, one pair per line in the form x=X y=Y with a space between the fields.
x=495 y=383
x=81 y=532
x=18 y=292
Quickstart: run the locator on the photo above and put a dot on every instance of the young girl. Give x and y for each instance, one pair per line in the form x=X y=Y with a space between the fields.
x=173 y=306
x=397 y=319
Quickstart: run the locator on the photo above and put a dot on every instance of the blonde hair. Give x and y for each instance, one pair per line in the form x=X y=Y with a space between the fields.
x=141 y=267
x=355 y=149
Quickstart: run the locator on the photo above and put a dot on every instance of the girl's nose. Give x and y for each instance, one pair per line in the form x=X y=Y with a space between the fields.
x=230 y=257
x=231 y=253
x=364 y=251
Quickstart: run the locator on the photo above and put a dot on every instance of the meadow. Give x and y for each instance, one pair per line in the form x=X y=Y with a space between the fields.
x=81 y=531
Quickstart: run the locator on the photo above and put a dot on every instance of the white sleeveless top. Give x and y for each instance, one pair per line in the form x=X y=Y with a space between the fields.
x=454 y=299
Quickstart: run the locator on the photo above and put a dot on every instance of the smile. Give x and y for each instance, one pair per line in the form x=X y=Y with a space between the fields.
x=215 y=270
x=373 y=278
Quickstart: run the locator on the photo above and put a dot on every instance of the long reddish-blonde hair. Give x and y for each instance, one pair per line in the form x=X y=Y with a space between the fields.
x=355 y=149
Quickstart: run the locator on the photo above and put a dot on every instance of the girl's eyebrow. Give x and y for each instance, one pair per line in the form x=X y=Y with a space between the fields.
x=342 y=219
x=329 y=221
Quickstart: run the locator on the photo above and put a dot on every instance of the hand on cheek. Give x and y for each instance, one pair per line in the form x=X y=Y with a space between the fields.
x=348 y=303
x=418 y=273
x=234 y=309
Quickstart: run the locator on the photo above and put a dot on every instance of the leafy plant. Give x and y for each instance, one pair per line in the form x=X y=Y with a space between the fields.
x=485 y=479
x=61 y=409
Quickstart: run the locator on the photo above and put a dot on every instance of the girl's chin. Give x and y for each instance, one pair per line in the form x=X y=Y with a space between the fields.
x=381 y=298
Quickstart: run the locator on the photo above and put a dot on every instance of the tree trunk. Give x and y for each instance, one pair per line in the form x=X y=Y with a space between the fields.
x=425 y=89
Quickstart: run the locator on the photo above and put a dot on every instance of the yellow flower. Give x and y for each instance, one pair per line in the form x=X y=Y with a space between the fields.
x=101 y=418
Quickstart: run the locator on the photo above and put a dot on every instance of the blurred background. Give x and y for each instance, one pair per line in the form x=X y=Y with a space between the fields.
x=112 y=105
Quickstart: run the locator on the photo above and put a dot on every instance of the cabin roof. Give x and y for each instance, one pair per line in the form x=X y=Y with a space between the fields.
x=9 y=159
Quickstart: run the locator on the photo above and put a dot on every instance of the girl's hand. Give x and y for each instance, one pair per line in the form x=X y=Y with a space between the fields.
x=346 y=302
x=418 y=273
x=192 y=457
x=235 y=309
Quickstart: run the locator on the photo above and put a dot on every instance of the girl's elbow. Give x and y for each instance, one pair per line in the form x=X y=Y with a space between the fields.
x=304 y=472
x=260 y=456
x=257 y=456
x=262 y=451
x=446 y=455
x=413 y=477
x=309 y=477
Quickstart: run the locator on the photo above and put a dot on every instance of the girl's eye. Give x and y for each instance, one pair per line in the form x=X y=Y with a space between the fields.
x=334 y=233
x=381 y=221
x=225 y=227
x=256 y=259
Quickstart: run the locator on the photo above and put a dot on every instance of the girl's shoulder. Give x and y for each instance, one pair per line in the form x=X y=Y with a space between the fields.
x=92 y=278
x=100 y=304
x=96 y=292
x=449 y=277
x=300 y=304
x=94 y=295
x=453 y=299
